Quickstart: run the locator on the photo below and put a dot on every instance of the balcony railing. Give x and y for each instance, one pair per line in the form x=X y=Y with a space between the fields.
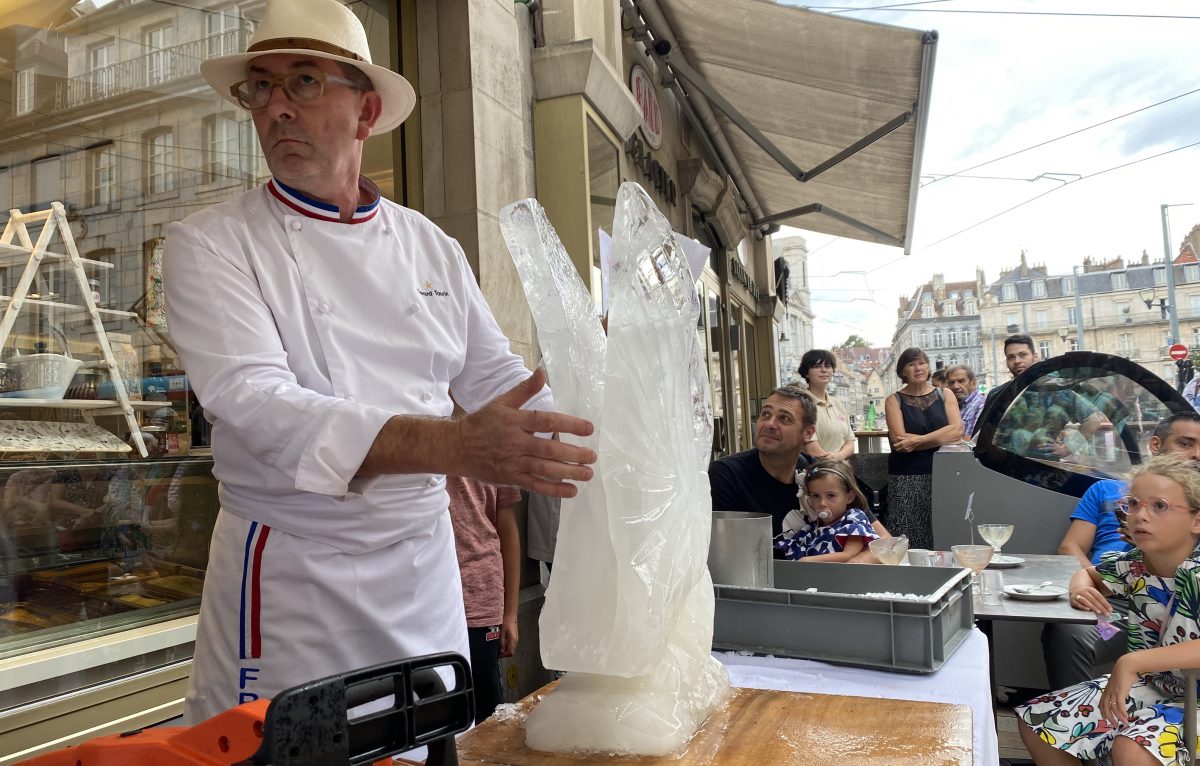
x=152 y=70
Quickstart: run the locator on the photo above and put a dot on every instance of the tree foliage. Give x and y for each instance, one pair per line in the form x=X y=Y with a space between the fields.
x=852 y=341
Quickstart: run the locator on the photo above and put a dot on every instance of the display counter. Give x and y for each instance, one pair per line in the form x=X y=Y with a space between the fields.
x=101 y=569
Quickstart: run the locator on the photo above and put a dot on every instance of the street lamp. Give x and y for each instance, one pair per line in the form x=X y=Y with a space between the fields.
x=1063 y=333
x=1148 y=294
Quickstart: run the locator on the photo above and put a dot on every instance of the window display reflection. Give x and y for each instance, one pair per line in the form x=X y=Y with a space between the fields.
x=98 y=544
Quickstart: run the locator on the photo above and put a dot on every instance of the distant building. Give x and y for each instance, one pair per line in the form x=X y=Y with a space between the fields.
x=1116 y=318
x=796 y=328
x=942 y=318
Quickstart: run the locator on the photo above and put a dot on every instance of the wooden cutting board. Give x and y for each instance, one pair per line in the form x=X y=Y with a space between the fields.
x=761 y=726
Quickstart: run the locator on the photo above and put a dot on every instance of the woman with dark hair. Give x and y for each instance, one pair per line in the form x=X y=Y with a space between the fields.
x=834 y=437
x=920 y=419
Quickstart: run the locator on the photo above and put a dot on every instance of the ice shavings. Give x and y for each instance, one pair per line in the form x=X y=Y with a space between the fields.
x=891 y=596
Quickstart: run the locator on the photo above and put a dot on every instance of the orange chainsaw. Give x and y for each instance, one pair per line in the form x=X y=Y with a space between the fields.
x=309 y=725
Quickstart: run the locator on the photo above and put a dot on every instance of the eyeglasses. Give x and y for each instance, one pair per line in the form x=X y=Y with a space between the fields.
x=1158 y=505
x=300 y=87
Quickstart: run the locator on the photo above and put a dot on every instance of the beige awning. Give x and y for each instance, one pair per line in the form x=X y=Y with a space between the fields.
x=781 y=92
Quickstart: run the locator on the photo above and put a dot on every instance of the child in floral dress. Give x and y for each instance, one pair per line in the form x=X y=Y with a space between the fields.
x=1136 y=713
x=832 y=525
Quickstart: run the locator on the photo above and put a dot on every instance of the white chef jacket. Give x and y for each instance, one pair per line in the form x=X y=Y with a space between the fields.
x=301 y=337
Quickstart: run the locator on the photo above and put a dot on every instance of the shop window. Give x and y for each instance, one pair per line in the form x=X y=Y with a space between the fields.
x=134 y=556
x=23 y=87
x=160 y=162
x=160 y=60
x=102 y=176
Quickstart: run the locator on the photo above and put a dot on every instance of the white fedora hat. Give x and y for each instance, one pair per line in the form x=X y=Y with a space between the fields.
x=322 y=29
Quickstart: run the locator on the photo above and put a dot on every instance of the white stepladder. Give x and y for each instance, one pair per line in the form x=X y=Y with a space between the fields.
x=54 y=220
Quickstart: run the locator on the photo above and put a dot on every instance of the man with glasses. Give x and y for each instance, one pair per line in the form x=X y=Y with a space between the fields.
x=1072 y=652
x=324 y=330
x=763 y=479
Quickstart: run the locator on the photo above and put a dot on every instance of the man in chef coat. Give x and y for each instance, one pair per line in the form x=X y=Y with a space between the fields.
x=324 y=329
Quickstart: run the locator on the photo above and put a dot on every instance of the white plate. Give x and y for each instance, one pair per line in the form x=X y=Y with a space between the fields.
x=1005 y=562
x=1045 y=593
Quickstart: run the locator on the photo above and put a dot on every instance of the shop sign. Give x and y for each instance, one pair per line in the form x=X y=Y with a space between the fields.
x=655 y=173
x=643 y=91
x=739 y=273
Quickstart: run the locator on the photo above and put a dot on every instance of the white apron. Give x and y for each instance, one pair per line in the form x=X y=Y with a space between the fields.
x=279 y=610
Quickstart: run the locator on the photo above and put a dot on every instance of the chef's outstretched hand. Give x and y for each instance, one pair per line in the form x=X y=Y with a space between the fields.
x=498 y=443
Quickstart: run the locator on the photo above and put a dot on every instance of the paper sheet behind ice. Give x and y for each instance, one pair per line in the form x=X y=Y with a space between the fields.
x=629 y=611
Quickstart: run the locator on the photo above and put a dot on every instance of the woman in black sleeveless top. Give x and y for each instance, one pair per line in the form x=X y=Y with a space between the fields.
x=920 y=419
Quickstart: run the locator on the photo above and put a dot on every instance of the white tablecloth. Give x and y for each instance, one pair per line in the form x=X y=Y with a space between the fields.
x=963 y=680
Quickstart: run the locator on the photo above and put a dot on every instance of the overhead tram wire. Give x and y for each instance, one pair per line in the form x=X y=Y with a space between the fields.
x=1051 y=191
x=1065 y=135
x=993 y=217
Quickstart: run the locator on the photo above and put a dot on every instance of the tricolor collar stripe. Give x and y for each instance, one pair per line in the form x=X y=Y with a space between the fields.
x=322 y=211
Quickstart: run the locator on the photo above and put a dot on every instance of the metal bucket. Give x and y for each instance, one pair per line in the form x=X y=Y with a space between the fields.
x=739 y=552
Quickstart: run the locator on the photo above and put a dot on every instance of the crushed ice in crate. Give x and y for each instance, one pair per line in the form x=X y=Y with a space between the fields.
x=629 y=611
x=898 y=596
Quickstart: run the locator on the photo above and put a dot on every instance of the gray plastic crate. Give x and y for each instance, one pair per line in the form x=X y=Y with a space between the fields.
x=838 y=624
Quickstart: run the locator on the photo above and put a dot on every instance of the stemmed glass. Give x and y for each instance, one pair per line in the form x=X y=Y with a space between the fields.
x=975 y=558
x=995 y=534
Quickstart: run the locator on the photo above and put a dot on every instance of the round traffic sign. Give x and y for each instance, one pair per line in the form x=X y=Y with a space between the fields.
x=1178 y=351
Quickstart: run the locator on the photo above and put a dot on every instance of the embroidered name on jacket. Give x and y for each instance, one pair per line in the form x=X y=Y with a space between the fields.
x=428 y=290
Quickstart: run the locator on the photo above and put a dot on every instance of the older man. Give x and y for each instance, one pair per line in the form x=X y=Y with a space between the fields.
x=324 y=329
x=763 y=479
x=961 y=380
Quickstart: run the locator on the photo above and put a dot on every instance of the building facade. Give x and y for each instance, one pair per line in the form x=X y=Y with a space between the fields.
x=1120 y=307
x=796 y=327
x=943 y=319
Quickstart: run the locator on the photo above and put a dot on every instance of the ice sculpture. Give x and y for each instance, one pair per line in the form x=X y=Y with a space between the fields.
x=629 y=612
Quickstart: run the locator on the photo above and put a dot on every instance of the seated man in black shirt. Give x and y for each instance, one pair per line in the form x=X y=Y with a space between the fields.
x=763 y=479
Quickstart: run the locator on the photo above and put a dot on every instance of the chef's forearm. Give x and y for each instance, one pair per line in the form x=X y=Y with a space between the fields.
x=412 y=444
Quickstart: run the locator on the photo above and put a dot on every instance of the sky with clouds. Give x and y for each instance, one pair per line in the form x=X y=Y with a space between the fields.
x=1004 y=82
